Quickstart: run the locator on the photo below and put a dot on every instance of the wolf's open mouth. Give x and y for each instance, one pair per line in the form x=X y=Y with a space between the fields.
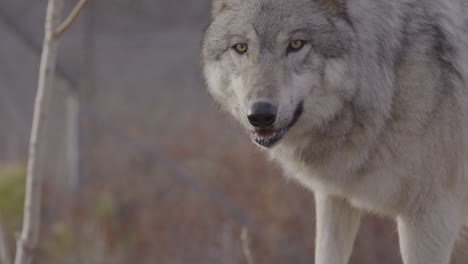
x=270 y=136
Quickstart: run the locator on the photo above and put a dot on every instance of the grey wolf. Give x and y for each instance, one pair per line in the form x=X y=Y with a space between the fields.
x=364 y=102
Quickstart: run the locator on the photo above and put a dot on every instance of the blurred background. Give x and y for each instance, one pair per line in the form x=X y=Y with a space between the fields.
x=141 y=166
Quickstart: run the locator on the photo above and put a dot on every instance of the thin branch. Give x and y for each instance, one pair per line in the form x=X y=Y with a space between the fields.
x=246 y=246
x=28 y=44
x=71 y=17
x=28 y=240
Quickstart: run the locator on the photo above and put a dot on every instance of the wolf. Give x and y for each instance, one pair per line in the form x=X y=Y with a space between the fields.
x=364 y=102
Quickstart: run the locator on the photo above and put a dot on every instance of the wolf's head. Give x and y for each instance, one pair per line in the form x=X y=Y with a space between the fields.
x=279 y=66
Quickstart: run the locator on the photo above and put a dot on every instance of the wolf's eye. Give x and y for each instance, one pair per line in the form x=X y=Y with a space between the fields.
x=241 y=48
x=295 y=45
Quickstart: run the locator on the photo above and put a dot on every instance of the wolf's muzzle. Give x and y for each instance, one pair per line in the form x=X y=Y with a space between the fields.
x=262 y=115
x=269 y=136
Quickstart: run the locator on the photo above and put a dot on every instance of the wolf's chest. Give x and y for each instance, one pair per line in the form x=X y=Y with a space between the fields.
x=366 y=192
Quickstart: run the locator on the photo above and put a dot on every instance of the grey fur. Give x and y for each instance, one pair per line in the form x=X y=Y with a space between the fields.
x=383 y=86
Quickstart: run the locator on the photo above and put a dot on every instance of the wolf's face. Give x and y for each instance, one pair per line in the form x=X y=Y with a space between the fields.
x=279 y=66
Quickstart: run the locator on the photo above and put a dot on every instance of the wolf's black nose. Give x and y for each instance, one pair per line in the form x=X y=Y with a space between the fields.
x=262 y=115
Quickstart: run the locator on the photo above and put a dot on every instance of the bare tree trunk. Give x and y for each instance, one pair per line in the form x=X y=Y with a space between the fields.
x=27 y=242
x=246 y=246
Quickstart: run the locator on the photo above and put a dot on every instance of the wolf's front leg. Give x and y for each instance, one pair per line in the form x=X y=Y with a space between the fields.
x=337 y=225
x=427 y=235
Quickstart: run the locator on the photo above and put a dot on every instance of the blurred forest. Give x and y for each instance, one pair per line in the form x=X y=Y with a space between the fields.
x=141 y=166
